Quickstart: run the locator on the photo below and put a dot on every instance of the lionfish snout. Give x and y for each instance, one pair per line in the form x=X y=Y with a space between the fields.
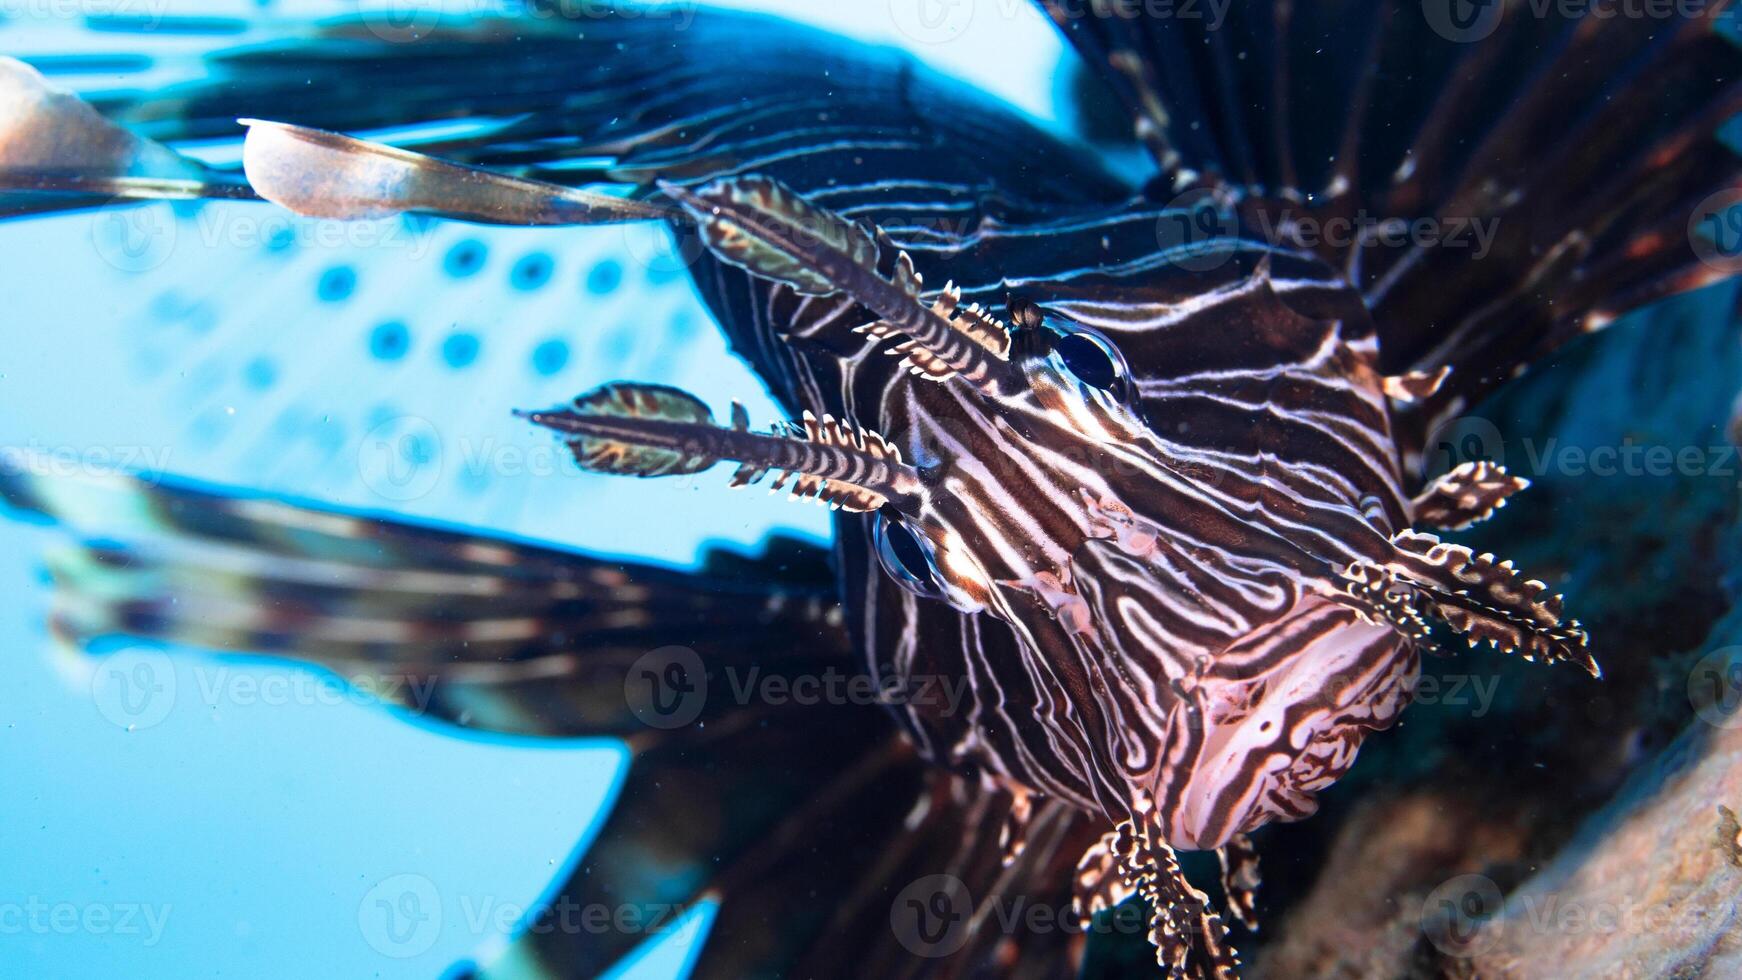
x=1220 y=698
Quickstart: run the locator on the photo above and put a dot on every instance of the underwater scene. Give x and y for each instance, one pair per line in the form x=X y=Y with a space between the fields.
x=870 y=488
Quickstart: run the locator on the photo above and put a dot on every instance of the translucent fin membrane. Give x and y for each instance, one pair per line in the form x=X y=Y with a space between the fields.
x=328 y=175
x=50 y=140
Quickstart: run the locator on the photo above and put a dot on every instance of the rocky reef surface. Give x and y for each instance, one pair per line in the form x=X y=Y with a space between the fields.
x=1530 y=822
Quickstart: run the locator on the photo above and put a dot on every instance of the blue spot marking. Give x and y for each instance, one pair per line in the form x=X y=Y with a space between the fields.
x=550 y=357
x=532 y=271
x=281 y=239
x=604 y=277
x=260 y=374
x=465 y=258
x=390 y=341
x=460 y=350
x=337 y=284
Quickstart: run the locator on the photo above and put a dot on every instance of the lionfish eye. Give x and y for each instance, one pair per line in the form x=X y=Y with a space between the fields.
x=904 y=558
x=1091 y=357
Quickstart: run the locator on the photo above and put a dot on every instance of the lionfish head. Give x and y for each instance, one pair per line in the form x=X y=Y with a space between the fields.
x=1208 y=673
x=1189 y=658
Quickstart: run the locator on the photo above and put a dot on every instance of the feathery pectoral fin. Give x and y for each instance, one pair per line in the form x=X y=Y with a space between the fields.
x=1475 y=595
x=770 y=231
x=1181 y=920
x=1466 y=495
x=654 y=430
x=1240 y=879
x=605 y=448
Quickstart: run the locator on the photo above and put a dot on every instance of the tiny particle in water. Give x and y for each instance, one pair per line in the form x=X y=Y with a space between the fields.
x=460 y=350
x=464 y=259
x=389 y=341
x=337 y=284
x=604 y=277
x=531 y=272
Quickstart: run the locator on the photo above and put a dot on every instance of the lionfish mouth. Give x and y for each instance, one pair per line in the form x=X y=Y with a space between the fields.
x=1277 y=719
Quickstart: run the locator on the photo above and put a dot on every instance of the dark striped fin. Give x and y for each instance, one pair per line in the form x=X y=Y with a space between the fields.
x=1468 y=494
x=734 y=807
x=329 y=175
x=624 y=96
x=768 y=230
x=1240 y=879
x=1378 y=593
x=973 y=321
x=1486 y=599
x=51 y=141
x=487 y=632
x=814 y=862
x=1190 y=939
x=1558 y=154
x=653 y=430
x=1100 y=882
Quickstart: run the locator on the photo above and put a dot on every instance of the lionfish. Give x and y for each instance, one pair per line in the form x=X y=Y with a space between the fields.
x=1139 y=468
